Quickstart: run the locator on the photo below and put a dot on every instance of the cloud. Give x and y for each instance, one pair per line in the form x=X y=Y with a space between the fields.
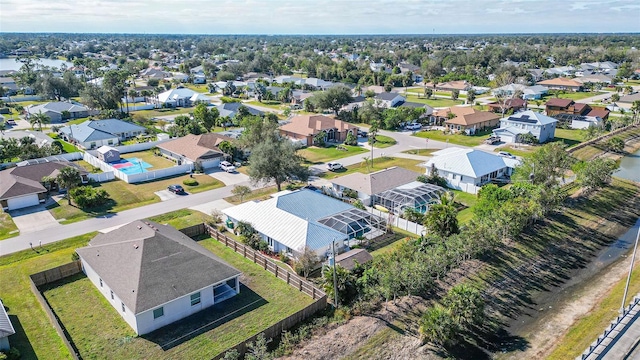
x=317 y=16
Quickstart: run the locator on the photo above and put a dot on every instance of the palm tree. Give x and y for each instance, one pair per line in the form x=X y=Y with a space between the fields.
x=39 y=119
x=442 y=218
x=68 y=178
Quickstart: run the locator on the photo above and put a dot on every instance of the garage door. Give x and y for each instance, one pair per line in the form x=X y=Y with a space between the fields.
x=23 y=201
x=208 y=164
x=506 y=139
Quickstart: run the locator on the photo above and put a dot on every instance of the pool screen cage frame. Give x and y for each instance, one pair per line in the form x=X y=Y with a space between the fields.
x=354 y=223
x=419 y=198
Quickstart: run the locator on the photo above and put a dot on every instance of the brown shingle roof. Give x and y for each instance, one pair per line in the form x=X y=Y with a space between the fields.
x=563 y=103
x=599 y=112
x=24 y=180
x=378 y=181
x=194 y=147
x=466 y=115
x=579 y=107
x=560 y=82
x=313 y=124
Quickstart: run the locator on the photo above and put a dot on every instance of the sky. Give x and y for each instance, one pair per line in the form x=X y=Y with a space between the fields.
x=320 y=16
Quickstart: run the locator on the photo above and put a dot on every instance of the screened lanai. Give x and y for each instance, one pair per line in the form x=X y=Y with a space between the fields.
x=415 y=195
x=355 y=223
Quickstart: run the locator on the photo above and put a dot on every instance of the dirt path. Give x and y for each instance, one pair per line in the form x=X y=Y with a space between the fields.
x=549 y=330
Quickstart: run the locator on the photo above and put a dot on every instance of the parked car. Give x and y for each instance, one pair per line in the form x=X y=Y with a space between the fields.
x=333 y=166
x=492 y=140
x=176 y=189
x=227 y=166
x=413 y=126
x=507 y=155
x=362 y=133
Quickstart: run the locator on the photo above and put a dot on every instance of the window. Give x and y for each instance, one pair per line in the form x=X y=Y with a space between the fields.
x=110 y=142
x=158 y=312
x=289 y=250
x=101 y=283
x=195 y=299
x=112 y=298
x=123 y=308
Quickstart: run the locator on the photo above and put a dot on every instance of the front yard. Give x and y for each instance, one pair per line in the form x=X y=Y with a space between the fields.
x=263 y=301
x=383 y=141
x=434 y=102
x=181 y=219
x=465 y=140
x=128 y=196
x=379 y=163
x=163 y=112
x=318 y=155
x=7 y=226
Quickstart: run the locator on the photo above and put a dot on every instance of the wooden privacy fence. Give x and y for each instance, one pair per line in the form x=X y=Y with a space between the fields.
x=600 y=138
x=49 y=276
x=268 y=264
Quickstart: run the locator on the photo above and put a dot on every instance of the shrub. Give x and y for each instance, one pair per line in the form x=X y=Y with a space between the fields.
x=11 y=354
x=358 y=204
x=89 y=197
x=190 y=182
x=283 y=257
x=75 y=256
x=350 y=193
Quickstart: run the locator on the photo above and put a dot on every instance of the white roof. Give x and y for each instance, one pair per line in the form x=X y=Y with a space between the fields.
x=105 y=149
x=528 y=115
x=467 y=162
x=174 y=94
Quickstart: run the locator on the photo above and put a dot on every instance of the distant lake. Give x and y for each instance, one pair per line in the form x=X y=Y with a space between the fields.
x=12 y=64
x=630 y=167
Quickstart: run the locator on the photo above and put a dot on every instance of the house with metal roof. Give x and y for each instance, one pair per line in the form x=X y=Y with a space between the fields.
x=6 y=329
x=293 y=220
x=154 y=275
x=182 y=97
x=541 y=126
x=469 y=169
x=92 y=134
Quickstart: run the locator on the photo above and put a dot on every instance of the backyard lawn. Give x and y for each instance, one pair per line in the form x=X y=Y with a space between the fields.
x=263 y=301
x=467 y=200
x=158 y=162
x=574 y=95
x=163 y=112
x=465 y=140
x=275 y=105
x=570 y=137
x=201 y=88
x=383 y=141
x=66 y=146
x=128 y=196
x=517 y=150
x=35 y=337
x=7 y=227
x=317 y=155
x=379 y=163
x=434 y=102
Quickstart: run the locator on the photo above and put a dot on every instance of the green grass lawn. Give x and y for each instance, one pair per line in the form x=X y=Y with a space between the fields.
x=259 y=194
x=275 y=105
x=516 y=150
x=7 y=226
x=90 y=168
x=465 y=140
x=66 y=146
x=317 y=155
x=390 y=242
x=180 y=219
x=383 y=141
x=76 y=121
x=379 y=163
x=201 y=88
x=574 y=95
x=468 y=201
x=434 y=102
x=423 y=152
x=158 y=162
x=570 y=136
x=104 y=334
x=128 y=196
x=163 y=112
x=35 y=337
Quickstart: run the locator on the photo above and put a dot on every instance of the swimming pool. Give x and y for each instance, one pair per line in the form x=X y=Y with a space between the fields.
x=131 y=166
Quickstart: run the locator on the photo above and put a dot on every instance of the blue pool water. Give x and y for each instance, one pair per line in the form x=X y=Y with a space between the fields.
x=131 y=166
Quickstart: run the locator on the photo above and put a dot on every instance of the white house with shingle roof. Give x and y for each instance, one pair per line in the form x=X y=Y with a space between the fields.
x=61 y=110
x=154 y=275
x=469 y=169
x=367 y=185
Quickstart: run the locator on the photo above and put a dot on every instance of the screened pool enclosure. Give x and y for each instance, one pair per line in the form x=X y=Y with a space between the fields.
x=354 y=223
x=418 y=196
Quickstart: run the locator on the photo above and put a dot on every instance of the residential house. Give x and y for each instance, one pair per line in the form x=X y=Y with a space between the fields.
x=6 y=328
x=629 y=99
x=511 y=129
x=527 y=92
x=595 y=79
x=298 y=97
x=565 y=107
x=61 y=110
x=182 y=97
x=389 y=99
x=465 y=119
x=92 y=134
x=536 y=74
x=428 y=110
x=154 y=73
x=509 y=105
x=290 y=221
x=469 y=169
x=22 y=186
x=366 y=186
x=10 y=86
x=202 y=150
x=154 y=275
x=39 y=138
x=460 y=85
x=561 y=83
x=303 y=129
x=230 y=110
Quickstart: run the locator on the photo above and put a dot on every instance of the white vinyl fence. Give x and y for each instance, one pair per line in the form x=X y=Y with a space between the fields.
x=102 y=177
x=398 y=222
x=136 y=178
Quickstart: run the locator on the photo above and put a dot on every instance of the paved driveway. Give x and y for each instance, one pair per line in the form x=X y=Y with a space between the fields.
x=229 y=178
x=33 y=219
x=165 y=195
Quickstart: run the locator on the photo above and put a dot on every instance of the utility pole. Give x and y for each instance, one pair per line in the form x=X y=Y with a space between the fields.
x=335 y=279
x=633 y=259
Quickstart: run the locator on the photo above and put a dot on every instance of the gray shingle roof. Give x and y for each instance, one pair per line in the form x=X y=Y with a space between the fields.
x=388 y=96
x=231 y=109
x=378 y=181
x=147 y=264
